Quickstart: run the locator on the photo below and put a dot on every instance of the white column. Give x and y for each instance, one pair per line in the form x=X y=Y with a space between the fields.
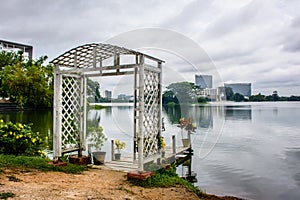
x=141 y=115
x=57 y=112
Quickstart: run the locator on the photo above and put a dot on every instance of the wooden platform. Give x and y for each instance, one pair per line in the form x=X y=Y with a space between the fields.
x=127 y=164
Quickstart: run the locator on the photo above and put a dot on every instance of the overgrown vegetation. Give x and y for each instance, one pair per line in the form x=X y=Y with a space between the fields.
x=167 y=178
x=25 y=162
x=19 y=139
x=26 y=82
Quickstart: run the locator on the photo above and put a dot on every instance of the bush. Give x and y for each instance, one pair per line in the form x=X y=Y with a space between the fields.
x=19 y=139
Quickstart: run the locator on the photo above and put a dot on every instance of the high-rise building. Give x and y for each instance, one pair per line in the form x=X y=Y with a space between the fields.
x=15 y=47
x=241 y=88
x=108 y=94
x=203 y=81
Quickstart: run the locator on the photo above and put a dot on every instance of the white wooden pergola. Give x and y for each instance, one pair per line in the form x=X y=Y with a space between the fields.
x=70 y=96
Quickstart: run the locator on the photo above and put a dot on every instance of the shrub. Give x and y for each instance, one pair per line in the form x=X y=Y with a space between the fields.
x=19 y=139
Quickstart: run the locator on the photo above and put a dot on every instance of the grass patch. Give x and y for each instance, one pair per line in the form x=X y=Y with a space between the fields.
x=11 y=161
x=6 y=195
x=97 y=107
x=167 y=178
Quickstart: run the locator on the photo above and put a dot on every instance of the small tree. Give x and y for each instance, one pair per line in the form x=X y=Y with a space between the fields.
x=119 y=145
x=96 y=137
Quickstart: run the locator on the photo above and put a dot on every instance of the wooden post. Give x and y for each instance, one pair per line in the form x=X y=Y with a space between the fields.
x=174 y=144
x=112 y=150
x=160 y=106
x=135 y=89
x=189 y=137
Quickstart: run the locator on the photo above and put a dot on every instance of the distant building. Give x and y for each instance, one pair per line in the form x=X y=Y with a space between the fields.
x=221 y=93
x=210 y=93
x=15 y=47
x=108 y=94
x=241 y=88
x=124 y=97
x=203 y=81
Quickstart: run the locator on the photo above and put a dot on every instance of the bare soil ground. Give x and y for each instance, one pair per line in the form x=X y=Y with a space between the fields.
x=92 y=184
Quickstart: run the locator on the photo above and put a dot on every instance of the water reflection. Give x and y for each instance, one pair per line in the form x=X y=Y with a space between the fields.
x=250 y=150
x=238 y=113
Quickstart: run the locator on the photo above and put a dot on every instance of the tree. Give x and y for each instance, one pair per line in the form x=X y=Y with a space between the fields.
x=185 y=92
x=9 y=58
x=258 y=97
x=28 y=82
x=169 y=97
x=238 y=97
x=228 y=93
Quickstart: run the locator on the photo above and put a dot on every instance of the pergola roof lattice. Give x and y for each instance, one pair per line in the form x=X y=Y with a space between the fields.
x=87 y=55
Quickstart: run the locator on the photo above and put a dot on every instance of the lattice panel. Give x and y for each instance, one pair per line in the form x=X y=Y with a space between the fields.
x=151 y=114
x=70 y=112
x=85 y=55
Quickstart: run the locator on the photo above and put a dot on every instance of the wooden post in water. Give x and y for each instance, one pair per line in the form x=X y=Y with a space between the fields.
x=112 y=150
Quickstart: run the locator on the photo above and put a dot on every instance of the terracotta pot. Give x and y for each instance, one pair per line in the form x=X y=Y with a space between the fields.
x=83 y=160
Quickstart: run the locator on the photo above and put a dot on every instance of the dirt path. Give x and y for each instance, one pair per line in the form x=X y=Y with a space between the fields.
x=92 y=184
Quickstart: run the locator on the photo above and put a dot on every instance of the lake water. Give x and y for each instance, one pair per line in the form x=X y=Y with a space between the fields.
x=250 y=150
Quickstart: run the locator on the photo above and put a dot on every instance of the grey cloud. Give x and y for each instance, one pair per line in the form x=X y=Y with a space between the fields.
x=247 y=42
x=291 y=42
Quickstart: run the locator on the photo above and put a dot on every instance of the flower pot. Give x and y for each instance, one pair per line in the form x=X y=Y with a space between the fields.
x=117 y=156
x=83 y=160
x=186 y=142
x=163 y=154
x=99 y=157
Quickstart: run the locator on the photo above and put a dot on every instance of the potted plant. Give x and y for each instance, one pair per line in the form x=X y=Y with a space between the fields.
x=119 y=145
x=189 y=127
x=97 y=139
x=163 y=146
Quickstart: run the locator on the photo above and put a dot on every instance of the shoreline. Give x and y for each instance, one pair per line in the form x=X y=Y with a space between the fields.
x=95 y=183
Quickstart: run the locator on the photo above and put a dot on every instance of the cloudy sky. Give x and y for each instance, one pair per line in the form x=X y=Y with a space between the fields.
x=245 y=40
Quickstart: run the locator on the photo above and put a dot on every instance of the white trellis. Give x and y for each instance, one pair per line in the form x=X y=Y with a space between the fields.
x=70 y=96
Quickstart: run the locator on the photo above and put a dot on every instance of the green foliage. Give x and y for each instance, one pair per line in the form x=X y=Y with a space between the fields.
x=6 y=195
x=185 y=92
x=119 y=145
x=237 y=97
x=9 y=59
x=169 y=98
x=11 y=161
x=93 y=90
x=19 y=139
x=202 y=100
x=229 y=93
x=167 y=178
x=96 y=136
x=258 y=97
x=27 y=82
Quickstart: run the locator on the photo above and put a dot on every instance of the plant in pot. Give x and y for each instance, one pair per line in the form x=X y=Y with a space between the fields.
x=119 y=145
x=97 y=139
x=189 y=127
x=163 y=146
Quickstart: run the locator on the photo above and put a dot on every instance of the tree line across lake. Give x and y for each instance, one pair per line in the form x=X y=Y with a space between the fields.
x=31 y=83
x=187 y=92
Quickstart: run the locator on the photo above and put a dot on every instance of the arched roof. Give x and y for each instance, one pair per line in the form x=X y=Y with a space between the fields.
x=84 y=56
